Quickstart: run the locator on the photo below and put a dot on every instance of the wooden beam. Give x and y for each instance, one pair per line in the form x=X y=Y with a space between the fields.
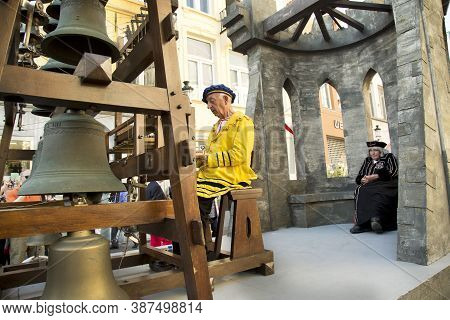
x=17 y=205
x=137 y=60
x=301 y=26
x=139 y=134
x=337 y=22
x=182 y=179
x=290 y=14
x=145 y=285
x=163 y=255
x=9 y=11
x=153 y=163
x=362 y=5
x=345 y=18
x=121 y=126
x=23 y=155
x=166 y=229
x=41 y=220
x=32 y=86
x=322 y=25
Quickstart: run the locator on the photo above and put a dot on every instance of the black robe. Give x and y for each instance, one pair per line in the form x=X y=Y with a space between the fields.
x=378 y=198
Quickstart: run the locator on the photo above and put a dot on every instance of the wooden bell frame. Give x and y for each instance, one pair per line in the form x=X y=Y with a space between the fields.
x=178 y=219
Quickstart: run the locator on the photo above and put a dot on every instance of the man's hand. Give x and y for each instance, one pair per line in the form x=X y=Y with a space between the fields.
x=371 y=178
x=201 y=160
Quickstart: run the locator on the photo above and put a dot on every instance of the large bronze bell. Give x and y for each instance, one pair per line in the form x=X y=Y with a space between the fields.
x=81 y=28
x=79 y=268
x=73 y=158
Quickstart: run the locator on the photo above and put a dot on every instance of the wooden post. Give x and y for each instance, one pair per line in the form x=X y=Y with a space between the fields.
x=9 y=12
x=182 y=179
x=4 y=145
x=9 y=39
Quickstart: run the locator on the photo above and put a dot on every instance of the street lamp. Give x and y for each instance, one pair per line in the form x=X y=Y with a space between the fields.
x=187 y=89
x=377 y=133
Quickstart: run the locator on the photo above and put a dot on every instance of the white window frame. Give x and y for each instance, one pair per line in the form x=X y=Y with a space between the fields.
x=325 y=95
x=198 y=8
x=240 y=90
x=198 y=88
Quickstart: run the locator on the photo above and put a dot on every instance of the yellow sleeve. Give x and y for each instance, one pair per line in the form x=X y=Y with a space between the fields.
x=241 y=150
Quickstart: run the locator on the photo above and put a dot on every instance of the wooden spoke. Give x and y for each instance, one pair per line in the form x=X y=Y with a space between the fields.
x=289 y=15
x=336 y=21
x=322 y=25
x=362 y=6
x=345 y=18
x=301 y=26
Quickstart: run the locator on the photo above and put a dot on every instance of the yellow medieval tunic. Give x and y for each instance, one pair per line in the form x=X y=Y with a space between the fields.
x=229 y=154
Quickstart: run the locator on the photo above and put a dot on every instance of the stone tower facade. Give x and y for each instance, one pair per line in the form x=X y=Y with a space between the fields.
x=406 y=46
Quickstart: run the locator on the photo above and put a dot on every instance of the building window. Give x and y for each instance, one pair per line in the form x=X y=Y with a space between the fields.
x=329 y=98
x=289 y=133
x=377 y=105
x=200 y=66
x=201 y=5
x=333 y=132
x=239 y=78
x=376 y=108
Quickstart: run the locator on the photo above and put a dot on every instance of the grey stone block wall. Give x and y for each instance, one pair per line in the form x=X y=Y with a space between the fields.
x=423 y=215
x=346 y=69
x=411 y=60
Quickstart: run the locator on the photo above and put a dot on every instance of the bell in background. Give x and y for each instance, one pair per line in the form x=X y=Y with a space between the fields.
x=40 y=112
x=54 y=9
x=79 y=268
x=34 y=40
x=73 y=158
x=81 y=28
x=27 y=60
x=53 y=66
x=50 y=25
x=39 y=17
x=43 y=239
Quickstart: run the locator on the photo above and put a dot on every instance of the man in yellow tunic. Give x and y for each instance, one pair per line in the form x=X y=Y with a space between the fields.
x=226 y=164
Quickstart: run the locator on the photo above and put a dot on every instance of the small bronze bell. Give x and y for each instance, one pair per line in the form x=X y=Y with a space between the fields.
x=54 y=9
x=50 y=25
x=81 y=29
x=79 y=268
x=53 y=66
x=73 y=158
x=43 y=239
x=27 y=60
x=41 y=112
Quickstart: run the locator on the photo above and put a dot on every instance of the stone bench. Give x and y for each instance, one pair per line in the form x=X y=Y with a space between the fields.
x=318 y=209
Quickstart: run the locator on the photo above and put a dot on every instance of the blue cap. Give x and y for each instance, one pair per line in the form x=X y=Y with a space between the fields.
x=218 y=88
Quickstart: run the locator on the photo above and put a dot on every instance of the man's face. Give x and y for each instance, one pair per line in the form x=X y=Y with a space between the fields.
x=218 y=103
x=375 y=154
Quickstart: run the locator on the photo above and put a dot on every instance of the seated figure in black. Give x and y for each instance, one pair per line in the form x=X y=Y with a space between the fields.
x=376 y=193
